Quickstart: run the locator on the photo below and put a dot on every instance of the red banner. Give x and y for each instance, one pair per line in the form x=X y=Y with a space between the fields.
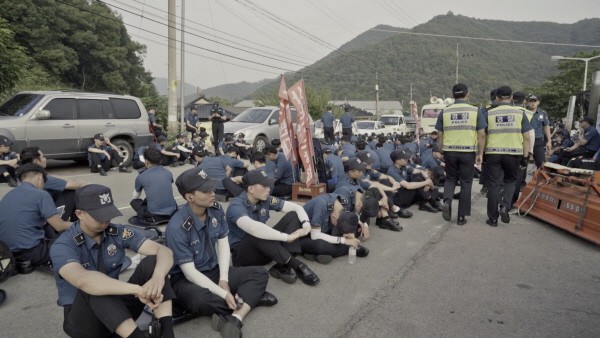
x=286 y=135
x=297 y=97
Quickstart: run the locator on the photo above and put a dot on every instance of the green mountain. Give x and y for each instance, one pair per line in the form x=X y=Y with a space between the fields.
x=429 y=62
x=235 y=92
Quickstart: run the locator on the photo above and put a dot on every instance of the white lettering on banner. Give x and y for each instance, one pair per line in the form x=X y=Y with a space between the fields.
x=298 y=99
x=284 y=132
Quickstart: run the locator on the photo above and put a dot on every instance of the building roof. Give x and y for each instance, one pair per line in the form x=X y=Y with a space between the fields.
x=203 y=107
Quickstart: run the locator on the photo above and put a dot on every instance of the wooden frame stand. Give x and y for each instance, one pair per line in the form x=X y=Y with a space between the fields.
x=300 y=189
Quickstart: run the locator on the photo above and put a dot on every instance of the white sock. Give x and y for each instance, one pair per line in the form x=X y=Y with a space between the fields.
x=238 y=317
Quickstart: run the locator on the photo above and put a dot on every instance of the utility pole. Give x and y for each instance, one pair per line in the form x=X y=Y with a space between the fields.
x=456 y=64
x=182 y=56
x=376 y=96
x=172 y=68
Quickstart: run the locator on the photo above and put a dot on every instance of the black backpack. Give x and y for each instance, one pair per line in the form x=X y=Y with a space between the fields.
x=7 y=262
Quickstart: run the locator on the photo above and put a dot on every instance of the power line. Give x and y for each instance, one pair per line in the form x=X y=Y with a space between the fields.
x=484 y=39
x=333 y=17
x=402 y=12
x=154 y=33
x=205 y=38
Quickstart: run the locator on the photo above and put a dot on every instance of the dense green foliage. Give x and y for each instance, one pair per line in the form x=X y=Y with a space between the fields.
x=75 y=44
x=317 y=100
x=13 y=58
x=429 y=62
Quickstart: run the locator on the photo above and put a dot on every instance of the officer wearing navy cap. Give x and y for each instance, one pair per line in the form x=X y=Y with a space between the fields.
x=461 y=131
x=541 y=126
x=507 y=148
x=217 y=117
x=334 y=167
x=215 y=166
x=255 y=243
x=202 y=278
x=87 y=260
x=224 y=144
x=333 y=229
x=29 y=219
x=8 y=162
x=103 y=155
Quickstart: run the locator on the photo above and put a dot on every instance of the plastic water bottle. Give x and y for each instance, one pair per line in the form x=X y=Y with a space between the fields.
x=351 y=255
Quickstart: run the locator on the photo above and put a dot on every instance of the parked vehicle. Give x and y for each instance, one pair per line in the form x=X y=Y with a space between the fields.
x=369 y=127
x=63 y=124
x=259 y=125
x=398 y=124
x=430 y=112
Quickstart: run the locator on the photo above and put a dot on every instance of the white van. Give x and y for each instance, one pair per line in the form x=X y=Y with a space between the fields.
x=398 y=124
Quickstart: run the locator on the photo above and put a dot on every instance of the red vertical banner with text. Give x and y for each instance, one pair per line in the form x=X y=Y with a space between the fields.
x=297 y=97
x=286 y=138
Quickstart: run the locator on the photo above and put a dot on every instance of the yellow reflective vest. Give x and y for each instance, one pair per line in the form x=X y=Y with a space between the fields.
x=459 y=123
x=504 y=131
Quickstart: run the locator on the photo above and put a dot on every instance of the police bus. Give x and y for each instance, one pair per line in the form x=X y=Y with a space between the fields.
x=430 y=112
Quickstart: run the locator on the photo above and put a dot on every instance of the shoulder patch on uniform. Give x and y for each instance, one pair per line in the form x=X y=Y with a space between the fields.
x=127 y=234
x=187 y=225
x=112 y=230
x=79 y=239
x=216 y=205
x=330 y=207
x=274 y=200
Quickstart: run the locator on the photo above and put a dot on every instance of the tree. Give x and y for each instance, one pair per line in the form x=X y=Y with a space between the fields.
x=13 y=59
x=555 y=92
x=317 y=99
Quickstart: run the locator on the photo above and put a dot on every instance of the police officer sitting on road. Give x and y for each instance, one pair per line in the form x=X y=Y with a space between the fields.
x=224 y=144
x=62 y=191
x=167 y=157
x=280 y=168
x=179 y=146
x=234 y=184
x=255 y=243
x=104 y=155
x=202 y=278
x=238 y=167
x=334 y=167
x=8 y=162
x=333 y=229
x=29 y=221
x=156 y=182
x=216 y=167
x=87 y=261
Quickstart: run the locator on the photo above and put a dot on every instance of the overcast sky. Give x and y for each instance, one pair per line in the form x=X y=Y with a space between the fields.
x=315 y=28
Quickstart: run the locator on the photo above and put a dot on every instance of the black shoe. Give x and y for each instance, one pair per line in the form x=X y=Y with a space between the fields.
x=427 y=207
x=45 y=268
x=362 y=251
x=388 y=224
x=12 y=182
x=404 y=213
x=323 y=259
x=123 y=169
x=439 y=206
x=484 y=190
x=461 y=220
x=306 y=275
x=393 y=215
x=504 y=216
x=102 y=172
x=228 y=326
x=447 y=211
x=491 y=223
x=268 y=299
x=283 y=272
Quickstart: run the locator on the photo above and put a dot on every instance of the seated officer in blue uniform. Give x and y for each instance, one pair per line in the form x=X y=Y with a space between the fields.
x=157 y=183
x=333 y=229
x=223 y=144
x=216 y=167
x=62 y=191
x=87 y=260
x=202 y=278
x=238 y=167
x=334 y=167
x=281 y=170
x=103 y=155
x=29 y=219
x=253 y=242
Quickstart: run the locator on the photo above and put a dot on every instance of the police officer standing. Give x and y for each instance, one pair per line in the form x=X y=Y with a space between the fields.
x=347 y=121
x=506 y=148
x=327 y=120
x=541 y=126
x=87 y=261
x=202 y=278
x=461 y=131
x=217 y=117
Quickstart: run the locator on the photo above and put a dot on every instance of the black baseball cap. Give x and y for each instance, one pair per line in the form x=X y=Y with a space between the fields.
x=532 y=98
x=400 y=155
x=232 y=149
x=203 y=134
x=365 y=157
x=519 y=97
x=327 y=151
x=253 y=177
x=347 y=222
x=195 y=179
x=99 y=136
x=588 y=120
x=355 y=164
x=161 y=138
x=97 y=200
x=276 y=142
x=5 y=141
x=504 y=92
x=460 y=89
x=370 y=206
x=228 y=138
x=199 y=151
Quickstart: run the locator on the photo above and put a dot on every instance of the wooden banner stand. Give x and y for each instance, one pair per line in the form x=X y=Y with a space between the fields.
x=300 y=189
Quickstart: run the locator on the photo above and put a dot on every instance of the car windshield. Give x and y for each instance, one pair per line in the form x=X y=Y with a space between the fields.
x=365 y=125
x=19 y=104
x=389 y=120
x=430 y=113
x=253 y=115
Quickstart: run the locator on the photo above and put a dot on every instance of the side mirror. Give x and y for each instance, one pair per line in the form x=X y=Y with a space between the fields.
x=42 y=115
x=273 y=121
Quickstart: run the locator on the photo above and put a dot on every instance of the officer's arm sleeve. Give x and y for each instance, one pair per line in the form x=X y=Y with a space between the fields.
x=438 y=123
x=260 y=230
x=193 y=275
x=302 y=215
x=317 y=234
x=224 y=256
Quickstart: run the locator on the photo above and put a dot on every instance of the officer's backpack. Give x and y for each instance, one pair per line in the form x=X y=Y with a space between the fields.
x=7 y=262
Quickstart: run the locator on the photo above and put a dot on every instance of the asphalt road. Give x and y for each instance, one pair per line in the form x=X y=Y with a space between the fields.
x=525 y=279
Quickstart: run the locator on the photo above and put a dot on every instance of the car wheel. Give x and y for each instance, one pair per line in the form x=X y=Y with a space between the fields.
x=260 y=142
x=125 y=150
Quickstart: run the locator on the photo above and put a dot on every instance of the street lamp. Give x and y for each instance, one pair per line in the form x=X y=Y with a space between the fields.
x=586 y=60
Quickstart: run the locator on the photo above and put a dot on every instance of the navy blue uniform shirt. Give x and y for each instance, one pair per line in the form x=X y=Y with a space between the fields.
x=319 y=208
x=400 y=174
x=23 y=214
x=592 y=137
x=214 y=168
x=241 y=206
x=192 y=240
x=538 y=122
x=335 y=165
x=345 y=181
x=157 y=182
x=75 y=246
x=327 y=119
x=346 y=120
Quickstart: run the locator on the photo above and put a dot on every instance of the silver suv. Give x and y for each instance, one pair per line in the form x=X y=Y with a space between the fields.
x=260 y=125
x=63 y=124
